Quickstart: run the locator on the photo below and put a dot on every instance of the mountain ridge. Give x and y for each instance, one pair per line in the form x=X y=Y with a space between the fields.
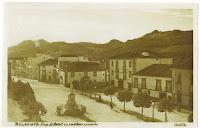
x=172 y=43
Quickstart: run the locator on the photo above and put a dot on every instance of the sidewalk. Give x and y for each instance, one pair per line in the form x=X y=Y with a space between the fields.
x=172 y=117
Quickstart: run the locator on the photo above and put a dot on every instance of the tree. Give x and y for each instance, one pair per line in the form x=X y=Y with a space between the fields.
x=124 y=96
x=34 y=109
x=75 y=84
x=109 y=91
x=166 y=106
x=190 y=118
x=89 y=85
x=142 y=99
x=82 y=83
x=27 y=99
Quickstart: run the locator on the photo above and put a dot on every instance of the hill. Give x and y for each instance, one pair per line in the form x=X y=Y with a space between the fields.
x=171 y=43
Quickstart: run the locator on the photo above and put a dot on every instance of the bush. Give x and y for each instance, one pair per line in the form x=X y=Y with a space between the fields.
x=190 y=118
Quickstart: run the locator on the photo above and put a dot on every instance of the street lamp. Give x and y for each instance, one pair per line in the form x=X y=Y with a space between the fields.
x=153 y=110
x=95 y=91
x=40 y=113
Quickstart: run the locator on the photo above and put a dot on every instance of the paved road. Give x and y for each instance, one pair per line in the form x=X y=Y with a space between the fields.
x=53 y=95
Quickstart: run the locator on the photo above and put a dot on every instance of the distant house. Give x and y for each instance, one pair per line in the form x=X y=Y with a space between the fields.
x=32 y=65
x=121 y=67
x=155 y=80
x=182 y=80
x=77 y=70
x=47 y=70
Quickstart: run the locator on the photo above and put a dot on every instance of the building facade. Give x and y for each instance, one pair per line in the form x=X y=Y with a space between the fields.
x=182 y=81
x=18 y=66
x=32 y=71
x=78 y=70
x=47 y=71
x=155 y=80
x=121 y=67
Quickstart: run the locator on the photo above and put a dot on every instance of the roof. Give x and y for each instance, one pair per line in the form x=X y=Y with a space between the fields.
x=139 y=54
x=156 y=70
x=186 y=64
x=50 y=62
x=69 y=55
x=84 y=66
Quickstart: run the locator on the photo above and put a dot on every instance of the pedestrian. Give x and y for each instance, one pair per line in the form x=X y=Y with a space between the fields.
x=111 y=106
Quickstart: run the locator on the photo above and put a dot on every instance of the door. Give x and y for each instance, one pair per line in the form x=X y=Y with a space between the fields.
x=43 y=75
x=120 y=84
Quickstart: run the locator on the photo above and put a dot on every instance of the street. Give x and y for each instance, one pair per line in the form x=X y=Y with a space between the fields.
x=53 y=95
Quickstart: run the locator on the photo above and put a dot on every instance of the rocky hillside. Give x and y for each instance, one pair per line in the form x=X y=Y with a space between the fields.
x=171 y=43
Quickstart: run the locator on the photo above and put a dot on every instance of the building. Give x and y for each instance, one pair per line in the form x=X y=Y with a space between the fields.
x=76 y=70
x=182 y=82
x=18 y=66
x=121 y=67
x=47 y=70
x=63 y=62
x=155 y=80
x=32 y=71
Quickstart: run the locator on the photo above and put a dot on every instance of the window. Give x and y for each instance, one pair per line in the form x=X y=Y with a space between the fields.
x=129 y=86
x=54 y=73
x=43 y=66
x=169 y=98
x=136 y=82
x=60 y=63
x=143 y=83
x=112 y=63
x=130 y=63
x=112 y=73
x=158 y=85
x=85 y=73
x=95 y=74
x=129 y=74
x=169 y=86
x=72 y=74
x=149 y=92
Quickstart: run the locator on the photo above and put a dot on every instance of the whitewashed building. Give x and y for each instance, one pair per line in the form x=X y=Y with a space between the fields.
x=155 y=80
x=121 y=67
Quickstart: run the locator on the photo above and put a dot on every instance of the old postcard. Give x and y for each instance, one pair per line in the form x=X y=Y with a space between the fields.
x=99 y=64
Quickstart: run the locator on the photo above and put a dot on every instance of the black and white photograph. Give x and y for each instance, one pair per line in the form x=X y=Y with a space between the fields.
x=90 y=64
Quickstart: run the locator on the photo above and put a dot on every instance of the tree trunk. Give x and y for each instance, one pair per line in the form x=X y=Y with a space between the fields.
x=142 y=111
x=111 y=98
x=165 y=116
x=124 y=105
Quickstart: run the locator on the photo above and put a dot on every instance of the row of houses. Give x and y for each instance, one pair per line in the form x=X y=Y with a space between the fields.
x=135 y=71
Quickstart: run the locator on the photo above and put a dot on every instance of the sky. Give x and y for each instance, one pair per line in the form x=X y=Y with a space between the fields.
x=91 y=22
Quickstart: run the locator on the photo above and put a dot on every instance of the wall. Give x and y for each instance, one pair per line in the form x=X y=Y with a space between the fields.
x=49 y=72
x=185 y=84
x=121 y=65
x=151 y=85
x=73 y=59
x=101 y=76
x=33 y=64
